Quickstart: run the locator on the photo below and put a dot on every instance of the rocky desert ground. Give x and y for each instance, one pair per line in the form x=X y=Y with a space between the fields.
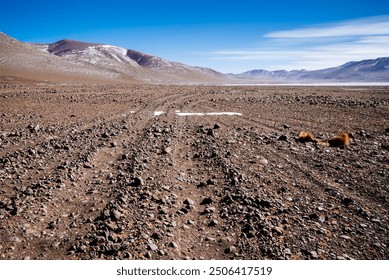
x=114 y=172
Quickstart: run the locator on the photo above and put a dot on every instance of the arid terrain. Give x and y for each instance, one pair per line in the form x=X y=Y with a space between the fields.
x=113 y=172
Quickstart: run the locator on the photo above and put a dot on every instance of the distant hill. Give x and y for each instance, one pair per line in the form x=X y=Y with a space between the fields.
x=75 y=60
x=371 y=70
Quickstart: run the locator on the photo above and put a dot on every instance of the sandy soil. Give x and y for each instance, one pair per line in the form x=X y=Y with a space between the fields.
x=88 y=172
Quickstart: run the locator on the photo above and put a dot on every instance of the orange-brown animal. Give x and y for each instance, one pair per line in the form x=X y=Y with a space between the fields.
x=340 y=140
x=307 y=137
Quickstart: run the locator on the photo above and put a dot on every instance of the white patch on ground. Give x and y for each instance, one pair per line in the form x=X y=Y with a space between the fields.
x=189 y=114
x=158 y=113
x=224 y=113
x=209 y=114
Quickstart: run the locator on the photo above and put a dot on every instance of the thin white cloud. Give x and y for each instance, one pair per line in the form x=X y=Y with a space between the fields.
x=316 y=47
x=370 y=26
x=312 y=57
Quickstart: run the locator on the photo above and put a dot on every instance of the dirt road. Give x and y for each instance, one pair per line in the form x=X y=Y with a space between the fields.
x=122 y=172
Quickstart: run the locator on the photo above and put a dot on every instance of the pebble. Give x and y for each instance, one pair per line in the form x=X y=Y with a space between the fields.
x=209 y=238
x=184 y=210
x=14 y=239
x=347 y=201
x=287 y=251
x=209 y=210
x=189 y=201
x=377 y=245
x=138 y=181
x=211 y=182
x=247 y=228
x=152 y=246
x=206 y=201
x=278 y=230
x=313 y=254
x=156 y=236
x=230 y=250
x=345 y=237
x=116 y=215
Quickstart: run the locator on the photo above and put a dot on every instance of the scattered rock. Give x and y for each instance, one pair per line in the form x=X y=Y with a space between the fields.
x=211 y=182
x=156 y=236
x=13 y=239
x=264 y=203
x=116 y=215
x=230 y=250
x=208 y=210
x=313 y=254
x=278 y=230
x=34 y=128
x=247 y=228
x=167 y=150
x=347 y=201
x=313 y=216
x=189 y=201
x=88 y=165
x=262 y=196
x=138 y=181
x=152 y=246
x=206 y=201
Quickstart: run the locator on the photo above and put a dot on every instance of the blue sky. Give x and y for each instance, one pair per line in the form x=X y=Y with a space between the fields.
x=229 y=36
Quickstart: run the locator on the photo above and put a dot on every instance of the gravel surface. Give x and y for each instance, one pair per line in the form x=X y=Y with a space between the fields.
x=91 y=172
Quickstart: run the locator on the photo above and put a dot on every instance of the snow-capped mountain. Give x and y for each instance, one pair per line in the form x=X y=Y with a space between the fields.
x=109 y=56
x=93 y=53
x=35 y=62
x=371 y=70
x=110 y=62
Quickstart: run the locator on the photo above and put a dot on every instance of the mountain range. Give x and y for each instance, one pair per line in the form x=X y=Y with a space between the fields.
x=371 y=70
x=75 y=61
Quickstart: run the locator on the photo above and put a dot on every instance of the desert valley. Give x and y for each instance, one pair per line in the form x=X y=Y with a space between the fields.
x=109 y=153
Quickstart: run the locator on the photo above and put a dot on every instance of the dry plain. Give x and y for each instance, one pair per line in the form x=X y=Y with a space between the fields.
x=93 y=172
